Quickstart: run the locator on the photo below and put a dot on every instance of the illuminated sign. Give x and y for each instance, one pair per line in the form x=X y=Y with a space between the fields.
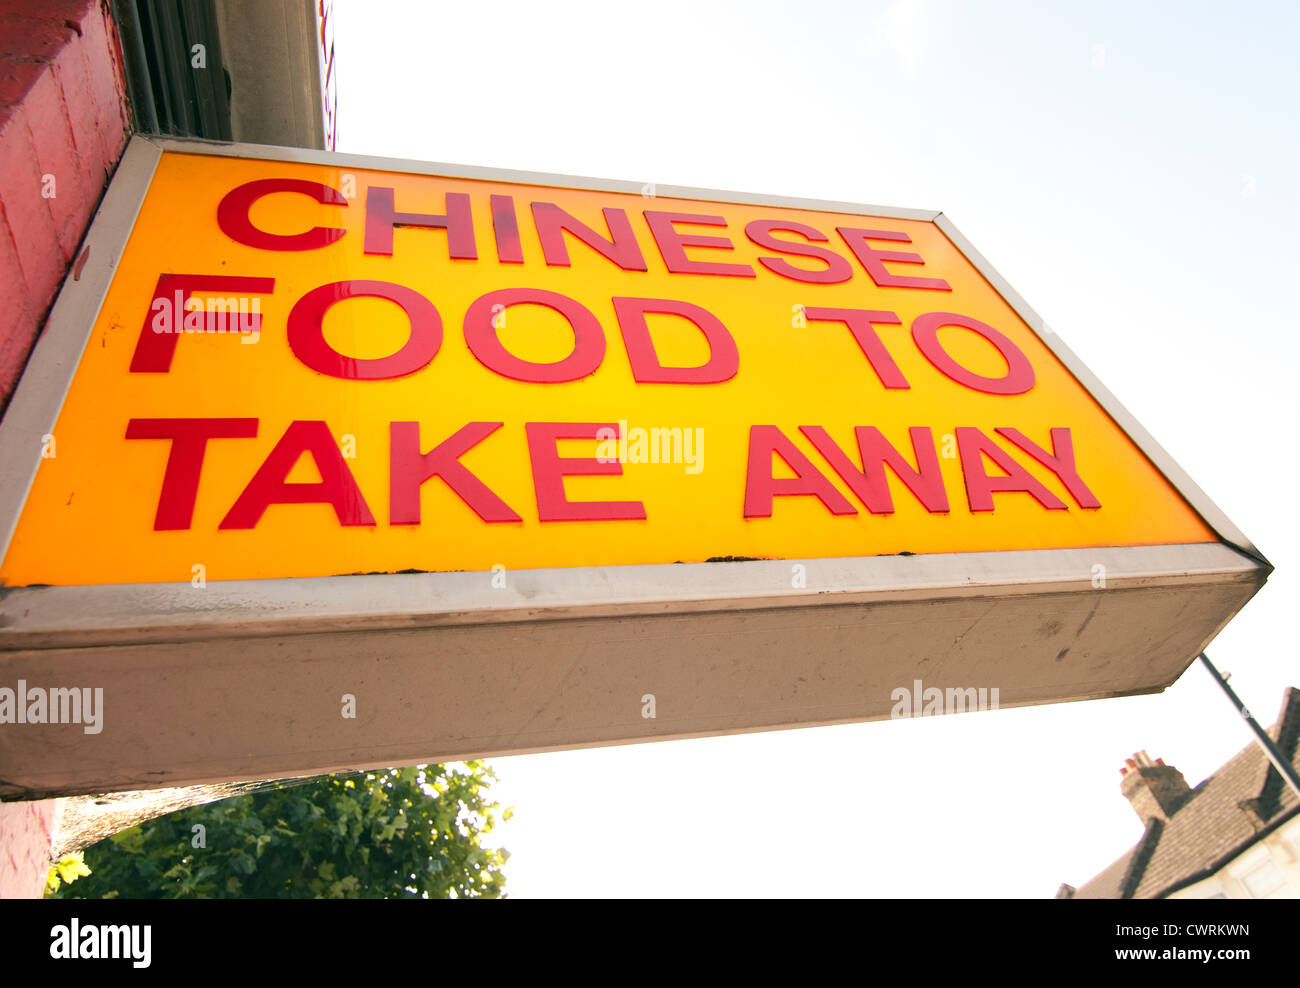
x=330 y=462
x=303 y=370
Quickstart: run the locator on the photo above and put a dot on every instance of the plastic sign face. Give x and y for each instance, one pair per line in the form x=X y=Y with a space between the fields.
x=303 y=370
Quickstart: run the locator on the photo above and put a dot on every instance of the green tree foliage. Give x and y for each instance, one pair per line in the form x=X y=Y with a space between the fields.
x=396 y=833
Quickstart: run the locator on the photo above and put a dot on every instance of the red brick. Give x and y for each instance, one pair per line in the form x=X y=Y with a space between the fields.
x=39 y=42
x=63 y=112
x=25 y=839
x=16 y=78
x=84 y=107
x=28 y=215
x=14 y=350
x=12 y=283
x=46 y=11
x=106 y=82
x=18 y=321
x=56 y=155
x=76 y=12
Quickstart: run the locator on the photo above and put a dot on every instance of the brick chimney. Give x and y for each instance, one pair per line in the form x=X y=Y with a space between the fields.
x=1154 y=788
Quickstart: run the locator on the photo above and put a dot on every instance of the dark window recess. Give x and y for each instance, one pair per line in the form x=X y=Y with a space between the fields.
x=170 y=94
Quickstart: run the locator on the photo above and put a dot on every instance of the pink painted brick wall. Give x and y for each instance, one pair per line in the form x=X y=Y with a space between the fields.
x=63 y=114
x=25 y=833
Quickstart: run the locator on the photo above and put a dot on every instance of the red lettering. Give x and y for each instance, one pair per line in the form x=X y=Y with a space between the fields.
x=724 y=358
x=872 y=259
x=672 y=244
x=337 y=486
x=1019 y=377
x=409 y=469
x=382 y=219
x=506 y=229
x=761 y=486
x=837 y=268
x=869 y=483
x=307 y=335
x=1060 y=461
x=481 y=337
x=861 y=323
x=233 y=210
x=156 y=345
x=621 y=247
x=180 y=485
x=973 y=445
x=550 y=469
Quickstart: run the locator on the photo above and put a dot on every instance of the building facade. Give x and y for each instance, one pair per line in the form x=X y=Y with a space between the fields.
x=1234 y=836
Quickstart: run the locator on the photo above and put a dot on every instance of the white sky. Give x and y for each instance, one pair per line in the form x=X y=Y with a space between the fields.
x=1130 y=169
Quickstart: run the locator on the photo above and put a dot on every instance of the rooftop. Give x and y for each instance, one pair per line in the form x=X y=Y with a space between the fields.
x=1207 y=826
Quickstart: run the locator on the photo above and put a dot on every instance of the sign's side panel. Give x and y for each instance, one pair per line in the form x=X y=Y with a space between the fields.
x=219 y=709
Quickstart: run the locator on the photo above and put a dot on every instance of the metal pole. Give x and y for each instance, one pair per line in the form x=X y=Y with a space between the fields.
x=1270 y=749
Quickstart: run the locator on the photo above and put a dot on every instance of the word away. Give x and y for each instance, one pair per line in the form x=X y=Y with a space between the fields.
x=410 y=468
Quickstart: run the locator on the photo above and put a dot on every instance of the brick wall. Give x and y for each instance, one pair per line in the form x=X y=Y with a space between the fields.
x=63 y=124
x=25 y=833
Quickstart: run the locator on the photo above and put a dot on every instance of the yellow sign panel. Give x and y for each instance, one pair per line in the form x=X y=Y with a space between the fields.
x=302 y=370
